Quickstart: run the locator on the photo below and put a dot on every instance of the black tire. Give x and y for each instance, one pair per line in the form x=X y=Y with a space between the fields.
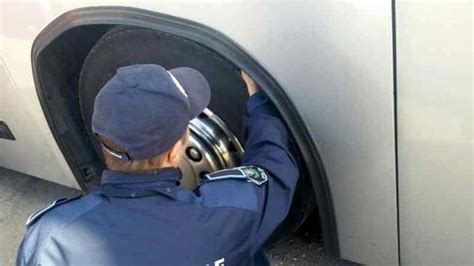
x=122 y=46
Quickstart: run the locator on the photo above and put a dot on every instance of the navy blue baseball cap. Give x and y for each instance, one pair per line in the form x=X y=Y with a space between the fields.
x=146 y=108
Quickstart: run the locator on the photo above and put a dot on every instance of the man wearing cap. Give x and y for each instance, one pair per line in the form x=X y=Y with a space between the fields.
x=139 y=215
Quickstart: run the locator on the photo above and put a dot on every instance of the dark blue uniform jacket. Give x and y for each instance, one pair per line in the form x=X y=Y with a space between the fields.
x=147 y=219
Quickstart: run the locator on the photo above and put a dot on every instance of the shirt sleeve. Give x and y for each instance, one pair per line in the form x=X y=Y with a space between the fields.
x=266 y=147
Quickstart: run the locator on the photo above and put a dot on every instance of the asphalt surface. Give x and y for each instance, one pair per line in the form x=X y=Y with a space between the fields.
x=21 y=195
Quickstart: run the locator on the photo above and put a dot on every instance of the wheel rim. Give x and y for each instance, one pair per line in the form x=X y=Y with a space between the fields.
x=211 y=146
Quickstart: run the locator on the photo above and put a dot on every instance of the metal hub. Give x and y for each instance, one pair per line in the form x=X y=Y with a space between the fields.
x=212 y=146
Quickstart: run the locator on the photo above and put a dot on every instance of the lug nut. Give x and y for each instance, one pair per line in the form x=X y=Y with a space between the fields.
x=194 y=154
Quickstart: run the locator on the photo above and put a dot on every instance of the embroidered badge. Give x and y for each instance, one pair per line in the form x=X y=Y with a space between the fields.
x=255 y=174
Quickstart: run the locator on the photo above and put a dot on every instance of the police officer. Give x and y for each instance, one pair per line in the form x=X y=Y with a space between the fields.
x=139 y=215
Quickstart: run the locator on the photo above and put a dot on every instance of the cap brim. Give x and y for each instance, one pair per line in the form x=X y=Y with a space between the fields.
x=196 y=87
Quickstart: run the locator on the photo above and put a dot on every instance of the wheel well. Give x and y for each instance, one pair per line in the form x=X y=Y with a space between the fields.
x=57 y=57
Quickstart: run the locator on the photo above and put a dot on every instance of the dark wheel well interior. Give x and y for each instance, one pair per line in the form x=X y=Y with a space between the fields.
x=58 y=55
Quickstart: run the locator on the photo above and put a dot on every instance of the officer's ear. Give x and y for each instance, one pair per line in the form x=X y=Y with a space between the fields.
x=175 y=153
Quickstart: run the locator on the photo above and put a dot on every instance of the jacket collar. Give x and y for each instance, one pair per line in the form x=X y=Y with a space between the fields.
x=164 y=175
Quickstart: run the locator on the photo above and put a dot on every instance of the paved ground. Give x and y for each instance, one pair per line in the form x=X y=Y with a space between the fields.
x=21 y=195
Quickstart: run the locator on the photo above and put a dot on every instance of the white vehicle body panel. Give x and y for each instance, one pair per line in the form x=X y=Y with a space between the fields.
x=435 y=140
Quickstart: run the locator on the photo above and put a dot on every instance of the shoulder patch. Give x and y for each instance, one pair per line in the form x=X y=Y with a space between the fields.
x=255 y=174
x=252 y=174
x=35 y=216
